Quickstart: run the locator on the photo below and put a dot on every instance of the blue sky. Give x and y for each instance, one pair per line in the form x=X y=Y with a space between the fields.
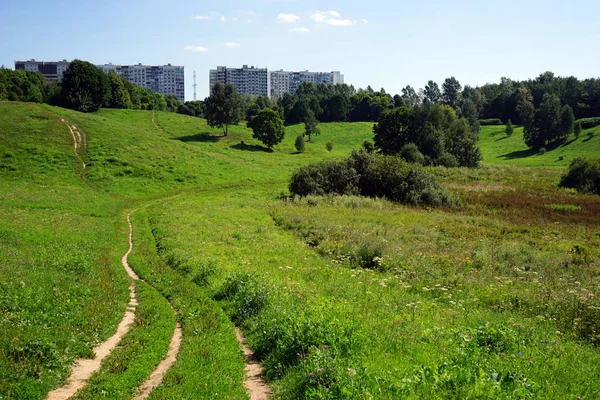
x=387 y=44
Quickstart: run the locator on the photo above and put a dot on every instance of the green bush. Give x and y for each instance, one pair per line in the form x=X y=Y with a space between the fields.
x=299 y=144
x=372 y=175
x=245 y=296
x=329 y=146
x=587 y=123
x=448 y=160
x=328 y=177
x=368 y=146
x=410 y=152
x=490 y=121
x=583 y=175
x=577 y=129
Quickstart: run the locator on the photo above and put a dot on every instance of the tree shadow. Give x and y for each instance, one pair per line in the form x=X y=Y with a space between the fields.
x=199 y=137
x=250 y=147
x=518 y=154
x=501 y=138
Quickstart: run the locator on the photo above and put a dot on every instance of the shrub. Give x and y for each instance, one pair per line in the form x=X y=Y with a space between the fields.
x=329 y=146
x=369 y=255
x=448 y=160
x=328 y=177
x=583 y=175
x=577 y=129
x=372 y=175
x=245 y=294
x=587 y=123
x=509 y=128
x=410 y=152
x=203 y=273
x=490 y=121
x=299 y=144
x=591 y=134
x=542 y=150
x=368 y=146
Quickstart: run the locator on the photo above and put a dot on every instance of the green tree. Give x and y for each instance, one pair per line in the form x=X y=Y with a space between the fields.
x=451 y=89
x=509 y=128
x=84 y=86
x=526 y=111
x=577 y=129
x=268 y=127
x=299 y=143
x=118 y=95
x=223 y=107
x=311 y=125
x=567 y=121
x=547 y=122
x=432 y=92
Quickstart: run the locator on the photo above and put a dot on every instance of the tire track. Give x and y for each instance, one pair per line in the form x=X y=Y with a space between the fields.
x=254 y=383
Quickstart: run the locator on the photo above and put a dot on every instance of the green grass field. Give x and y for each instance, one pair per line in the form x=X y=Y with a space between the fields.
x=340 y=297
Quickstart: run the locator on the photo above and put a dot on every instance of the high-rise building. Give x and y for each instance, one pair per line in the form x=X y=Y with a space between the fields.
x=246 y=80
x=51 y=70
x=287 y=82
x=168 y=80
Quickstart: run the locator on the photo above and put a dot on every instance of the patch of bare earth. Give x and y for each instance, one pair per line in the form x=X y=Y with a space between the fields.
x=253 y=381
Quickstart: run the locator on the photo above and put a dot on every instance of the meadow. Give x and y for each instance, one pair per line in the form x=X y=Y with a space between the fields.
x=340 y=297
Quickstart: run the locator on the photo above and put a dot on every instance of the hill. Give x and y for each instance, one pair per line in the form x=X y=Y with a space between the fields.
x=339 y=297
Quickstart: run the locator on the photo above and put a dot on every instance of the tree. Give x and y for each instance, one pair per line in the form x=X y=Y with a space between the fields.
x=509 y=128
x=84 y=86
x=268 y=127
x=299 y=143
x=311 y=126
x=410 y=96
x=567 y=121
x=577 y=129
x=451 y=88
x=118 y=95
x=432 y=92
x=547 y=122
x=223 y=107
x=526 y=111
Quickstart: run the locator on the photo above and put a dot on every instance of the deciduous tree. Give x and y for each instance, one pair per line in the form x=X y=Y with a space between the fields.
x=223 y=107
x=268 y=127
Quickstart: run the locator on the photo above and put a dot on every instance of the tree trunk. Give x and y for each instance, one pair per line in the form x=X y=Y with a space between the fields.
x=226 y=129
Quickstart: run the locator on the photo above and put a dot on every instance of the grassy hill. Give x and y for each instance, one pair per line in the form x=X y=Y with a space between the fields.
x=498 y=148
x=341 y=298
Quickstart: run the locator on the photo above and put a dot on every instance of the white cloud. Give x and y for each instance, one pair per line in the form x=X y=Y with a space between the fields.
x=288 y=18
x=232 y=44
x=364 y=21
x=222 y=19
x=319 y=16
x=246 y=12
x=200 y=17
x=234 y=19
x=339 y=22
x=301 y=30
x=334 y=13
x=197 y=49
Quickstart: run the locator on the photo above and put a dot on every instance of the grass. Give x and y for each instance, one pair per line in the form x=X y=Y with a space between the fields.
x=340 y=297
x=498 y=148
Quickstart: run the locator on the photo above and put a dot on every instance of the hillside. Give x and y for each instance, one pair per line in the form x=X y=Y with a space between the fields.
x=338 y=297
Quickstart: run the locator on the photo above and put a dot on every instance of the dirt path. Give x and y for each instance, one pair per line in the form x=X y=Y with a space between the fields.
x=79 y=139
x=84 y=368
x=253 y=381
x=155 y=124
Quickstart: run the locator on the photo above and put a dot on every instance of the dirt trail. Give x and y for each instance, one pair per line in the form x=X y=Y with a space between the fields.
x=84 y=368
x=253 y=381
x=79 y=139
x=155 y=124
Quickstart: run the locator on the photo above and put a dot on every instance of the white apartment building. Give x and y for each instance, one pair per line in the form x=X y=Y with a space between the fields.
x=169 y=80
x=51 y=70
x=288 y=82
x=274 y=84
x=246 y=80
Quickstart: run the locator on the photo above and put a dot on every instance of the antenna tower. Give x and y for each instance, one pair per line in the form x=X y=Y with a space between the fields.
x=194 y=85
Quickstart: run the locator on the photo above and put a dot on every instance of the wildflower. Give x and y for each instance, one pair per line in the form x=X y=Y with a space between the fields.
x=411 y=359
x=319 y=370
x=519 y=354
x=351 y=371
x=310 y=374
x=326 y=347
x=385 y=354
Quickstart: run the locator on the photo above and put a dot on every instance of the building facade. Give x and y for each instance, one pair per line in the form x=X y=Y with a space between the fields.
x=169 y=80
x=51 y=70
x=288 y=82
x=246 y=80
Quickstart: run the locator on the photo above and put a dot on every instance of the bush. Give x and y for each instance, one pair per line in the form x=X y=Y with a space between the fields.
x=509 y=128
x=587 y=123
x=299 y=144
x=372 y=175
x=542 y=150
x=448 y=160
x=490 y=121
x=368 y=146
x=583 y=175
x=577 y=129
x=410 y=152
x=245 y=294
x=329 y=146
x=328 y=177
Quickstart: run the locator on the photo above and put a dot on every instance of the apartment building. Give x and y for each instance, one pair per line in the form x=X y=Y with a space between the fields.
x=168 y=80
x=51 y=70
x=246 y=80
x=288 y=82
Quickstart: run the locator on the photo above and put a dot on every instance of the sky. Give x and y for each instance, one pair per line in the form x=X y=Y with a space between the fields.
x=385 y=44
